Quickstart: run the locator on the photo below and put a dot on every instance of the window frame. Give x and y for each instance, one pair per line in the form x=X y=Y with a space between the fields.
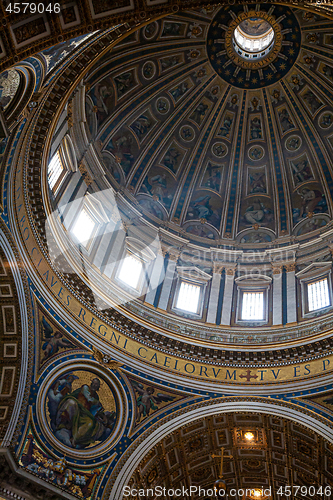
x=125 y=286
x=327 y=274
x=252 y=291
x=62 y=176
x=193 y=276
x=324 y=278
x=95 y=212
x=259 y=283
x=198 y=313
x=84 y=208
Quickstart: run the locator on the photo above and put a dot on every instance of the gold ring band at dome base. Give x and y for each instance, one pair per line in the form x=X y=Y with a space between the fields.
x=251 y=64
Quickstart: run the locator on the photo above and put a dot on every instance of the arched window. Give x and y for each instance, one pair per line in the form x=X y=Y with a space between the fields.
x=55 y=172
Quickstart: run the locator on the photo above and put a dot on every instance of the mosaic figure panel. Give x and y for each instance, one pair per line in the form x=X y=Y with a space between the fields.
x=148 y=400
x=161 y=185
x=125 y=82
x=173 y=157
x=201 y=230
x=328 y=40
x=143 y=124
x=206 y=207
x=311 y=224
x=112 y=167
x=257 y=211
x=326 y=70
x=150 y=30
x=124 y=147
x=149 y=70
x=301 y=170
x=255 y=128
x=284 y=119
x=81 y=409
x=311 y=100
x=255 y=237
x=167 y=63
x=53 y=339
x=308 y=200
x=201 y=111
x=226 y=125
x=153 y=207
x=212 y=177
x=173 y=29
x=102 y=95
x=256 y=180
x=181 y=89
x=90 y=116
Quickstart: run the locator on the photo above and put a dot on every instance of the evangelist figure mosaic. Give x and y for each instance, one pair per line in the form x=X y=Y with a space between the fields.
x=81 y=409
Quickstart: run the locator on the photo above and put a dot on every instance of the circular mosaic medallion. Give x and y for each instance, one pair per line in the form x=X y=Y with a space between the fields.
x=234 y=64
x=81 y=409
x=219 y=149
x=326 y=120
x=293 y=143
x=148 y=70
x=256 y=153
x=187 y=133
x=150 y=30
x=162 y=105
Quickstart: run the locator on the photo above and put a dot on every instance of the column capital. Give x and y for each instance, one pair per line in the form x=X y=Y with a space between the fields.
x=218 y=267
x=290 y=267
x=230 y=271
x=174 y=254
x=276 y=269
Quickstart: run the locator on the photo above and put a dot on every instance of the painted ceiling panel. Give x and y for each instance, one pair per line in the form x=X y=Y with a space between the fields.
x=215 y=146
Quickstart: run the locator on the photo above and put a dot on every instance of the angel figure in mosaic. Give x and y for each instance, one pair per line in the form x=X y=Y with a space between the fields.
x=147 y=401
x=53 y=342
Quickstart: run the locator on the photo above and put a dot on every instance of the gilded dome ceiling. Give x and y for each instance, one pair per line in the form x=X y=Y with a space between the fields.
x=166 y=250
x=210 y=145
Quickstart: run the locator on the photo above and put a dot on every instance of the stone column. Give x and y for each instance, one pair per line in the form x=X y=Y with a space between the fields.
x=168 y=279
x=227 y=296
x=156 y=277
x=277 y=295
x=291 y=293
x=116 y=245
x=214 y=293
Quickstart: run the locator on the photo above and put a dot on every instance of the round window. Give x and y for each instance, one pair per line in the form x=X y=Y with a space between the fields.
x=253 y=38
